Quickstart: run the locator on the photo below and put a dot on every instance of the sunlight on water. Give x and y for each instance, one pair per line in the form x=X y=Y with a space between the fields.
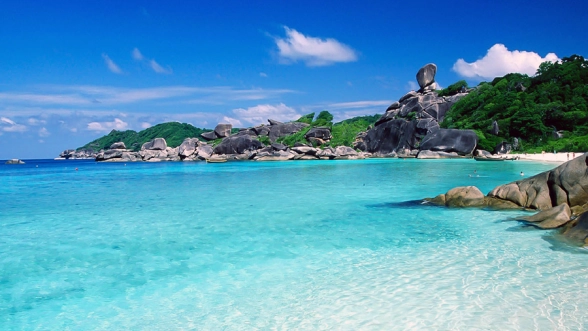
x=285 y=245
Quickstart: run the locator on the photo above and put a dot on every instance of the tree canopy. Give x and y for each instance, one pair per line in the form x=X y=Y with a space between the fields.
x=533 y=109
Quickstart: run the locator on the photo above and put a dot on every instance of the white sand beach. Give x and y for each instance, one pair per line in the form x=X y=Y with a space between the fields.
x=549 y=157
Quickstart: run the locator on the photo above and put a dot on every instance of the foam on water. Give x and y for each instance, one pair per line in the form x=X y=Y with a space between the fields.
x=285 y=245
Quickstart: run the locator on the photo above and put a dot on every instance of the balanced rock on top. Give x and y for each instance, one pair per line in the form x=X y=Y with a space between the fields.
x=426 y=75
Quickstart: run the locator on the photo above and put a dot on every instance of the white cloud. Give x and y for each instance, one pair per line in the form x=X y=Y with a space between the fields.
x=311 y=50
x=117 y=124
x=159 y=69
x=137 y=54
x=35 y=121
x=111 y=65
x=145 y=125
x=7 y=121
x=262 y=74
x=499 y=61
x=9 y=125
x=43 y=132
x=261 y=113
x=235 y=122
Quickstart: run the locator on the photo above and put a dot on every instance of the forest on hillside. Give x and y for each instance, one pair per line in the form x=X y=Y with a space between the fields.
x=548 y=111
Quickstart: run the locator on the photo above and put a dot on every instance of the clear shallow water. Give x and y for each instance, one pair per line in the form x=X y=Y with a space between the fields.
x=284 y=245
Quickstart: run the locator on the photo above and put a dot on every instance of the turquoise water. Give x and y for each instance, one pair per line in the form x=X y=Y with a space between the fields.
x=313 y=245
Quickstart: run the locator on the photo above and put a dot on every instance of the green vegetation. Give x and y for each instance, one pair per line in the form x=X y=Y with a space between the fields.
x=264 y=140
x=345 y=131
x=453 y=88
x=529 y=108
x=306 y=118
x=173 y=133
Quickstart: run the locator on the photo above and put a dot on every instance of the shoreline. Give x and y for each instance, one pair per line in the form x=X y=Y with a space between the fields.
x=547 y=157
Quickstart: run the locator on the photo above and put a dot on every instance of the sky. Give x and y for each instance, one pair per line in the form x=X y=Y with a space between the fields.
x=72 y=71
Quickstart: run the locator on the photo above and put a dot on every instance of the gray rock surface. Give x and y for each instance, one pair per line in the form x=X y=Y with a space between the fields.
x=462 y=142
x=284 y=129
x=426 y=75
x=223 y=130
x=550 y=218
x=322 y=133
x=188 y=147
x=209 y=135
x=237 y=145
x=118 y=145
x=567 y=184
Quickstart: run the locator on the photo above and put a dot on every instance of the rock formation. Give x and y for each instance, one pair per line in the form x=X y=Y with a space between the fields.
x=414 y=117
x=426 y=75
x=561 y=195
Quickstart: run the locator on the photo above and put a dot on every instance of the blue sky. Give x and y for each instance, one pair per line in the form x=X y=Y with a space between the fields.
x=71 y=71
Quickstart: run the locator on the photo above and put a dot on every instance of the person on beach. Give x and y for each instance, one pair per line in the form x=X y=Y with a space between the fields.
x=568 y=156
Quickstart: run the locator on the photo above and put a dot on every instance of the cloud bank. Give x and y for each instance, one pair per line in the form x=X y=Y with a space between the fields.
x=499 y=61
x=311 y=50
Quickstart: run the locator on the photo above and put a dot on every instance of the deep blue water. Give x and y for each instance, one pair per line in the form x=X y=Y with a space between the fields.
x=307 y=245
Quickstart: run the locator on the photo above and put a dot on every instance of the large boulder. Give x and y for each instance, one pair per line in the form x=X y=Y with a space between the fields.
x=322 y=133
x=390 y=136
x=188 y=147
x=204 y=151
x=118 y=145
x=426 y=75
x=209 y=135
x=567 y=183
x=464 y=196
x=577 y=229
x=284 y=129
x=223 y=130
x=158 y=144
x=237 y=145
x=550 y=218
x=463 y=142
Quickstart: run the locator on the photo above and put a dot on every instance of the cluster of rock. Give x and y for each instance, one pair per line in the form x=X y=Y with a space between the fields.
x=82 y=154
x=14 y=161
x=243 y=145
x=157 y=150
x=273 y=131
x=560 y=194
x=410 y=126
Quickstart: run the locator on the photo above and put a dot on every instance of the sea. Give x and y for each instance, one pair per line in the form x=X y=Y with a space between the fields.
x=292 y=245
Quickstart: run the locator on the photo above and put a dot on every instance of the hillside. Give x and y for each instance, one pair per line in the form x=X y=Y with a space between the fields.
x=548 y=111
x=173 y=132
